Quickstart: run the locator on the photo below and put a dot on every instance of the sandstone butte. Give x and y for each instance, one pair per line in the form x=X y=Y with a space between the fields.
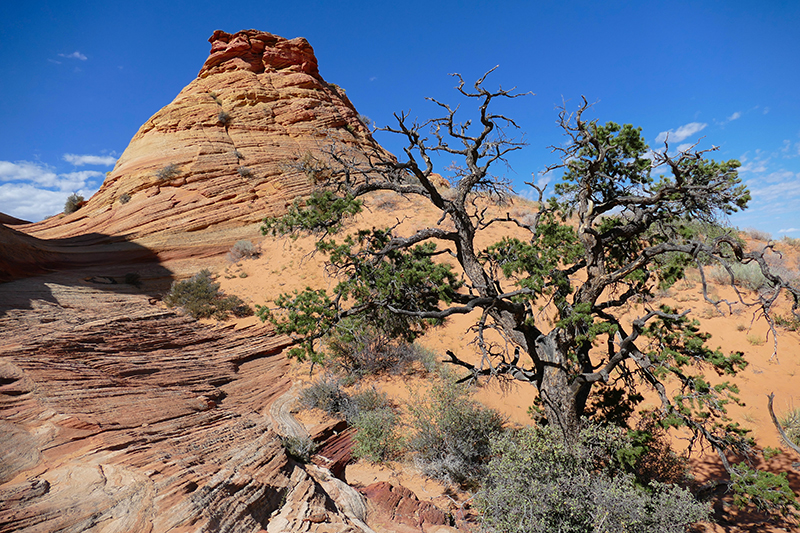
x=217 y=159
x=117 y=415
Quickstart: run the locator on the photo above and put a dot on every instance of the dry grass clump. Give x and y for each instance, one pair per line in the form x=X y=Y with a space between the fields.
x=73 y=203
x=168 y=172
x=757 y=235
x=790 y=422
x=243 y=249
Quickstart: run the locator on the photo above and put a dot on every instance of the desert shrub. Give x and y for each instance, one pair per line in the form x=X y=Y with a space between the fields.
x=450 y=433
x=365 y=120
x=650 y=456
x=790 y=322
x=538 y=483
x=376 y=438
x=326 y=393
x=73 y=203
x=300 y=448
x=790 y=422
x=757 y=234
x=243 y=249
x=168 y=172
x=791 y=241
x=200 y=297
x=357 y=349
x=238 y=154
x=747 y=276
x=224 y=118
x=245 y=172
x=124 y=198
x=315 y=169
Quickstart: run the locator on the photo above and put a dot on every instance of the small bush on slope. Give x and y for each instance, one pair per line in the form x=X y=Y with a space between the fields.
x=790 y=422
x=357 y=349
x=200 y=297
x=243 y=249
x=73 y=203
x=450 y=434
x=376 y=439
x=537 y=483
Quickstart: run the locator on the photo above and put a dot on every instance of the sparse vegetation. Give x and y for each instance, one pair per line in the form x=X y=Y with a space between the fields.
x=242 y=249
x=745 y=275
x=73 y=203
x=757 y=235
x=536 y=482
x=358 y=349
x=791 y=241
x=365 y=120
x=755 y=340
x=790 y=422
x=612 y=233
x=224 y=118
x=200 y=297
x=245 y=172
x=450 y=434
x=299 y=448
x=124 y=198
x=790 y=322
x=168 y=172
x=376 y=439
x=313 y=167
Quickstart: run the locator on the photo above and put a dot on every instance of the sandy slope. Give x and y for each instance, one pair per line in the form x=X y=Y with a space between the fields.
x=286 y=265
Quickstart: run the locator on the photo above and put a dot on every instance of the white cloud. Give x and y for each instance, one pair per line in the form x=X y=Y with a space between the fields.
x=788 y=230
x=733 y=117
x=790 y=150
x=80 y=160
x=782 y=191
x=779 y=176
x=681 y=133
x=43 y=176
x=34 y=191
x=29 y=203
x=74 y=55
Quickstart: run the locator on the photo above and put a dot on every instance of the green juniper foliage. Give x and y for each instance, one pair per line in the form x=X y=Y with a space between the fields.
x=623 y=223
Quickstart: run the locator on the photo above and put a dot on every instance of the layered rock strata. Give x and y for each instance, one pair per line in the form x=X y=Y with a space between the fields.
x=222 y=155
x=118 y=415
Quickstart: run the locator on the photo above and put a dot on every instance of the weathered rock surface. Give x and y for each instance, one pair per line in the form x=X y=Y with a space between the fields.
x=399 y=508
x=119 y=415
x=218 y=158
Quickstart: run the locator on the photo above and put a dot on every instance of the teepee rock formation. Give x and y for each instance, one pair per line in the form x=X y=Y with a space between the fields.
x=222 y=154
x=119 y=415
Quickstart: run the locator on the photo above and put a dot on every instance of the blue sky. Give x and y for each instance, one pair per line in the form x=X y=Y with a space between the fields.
x=80 y=77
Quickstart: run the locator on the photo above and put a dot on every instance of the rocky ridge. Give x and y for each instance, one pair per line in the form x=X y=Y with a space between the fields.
x=121 y=415
x=222 y=155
